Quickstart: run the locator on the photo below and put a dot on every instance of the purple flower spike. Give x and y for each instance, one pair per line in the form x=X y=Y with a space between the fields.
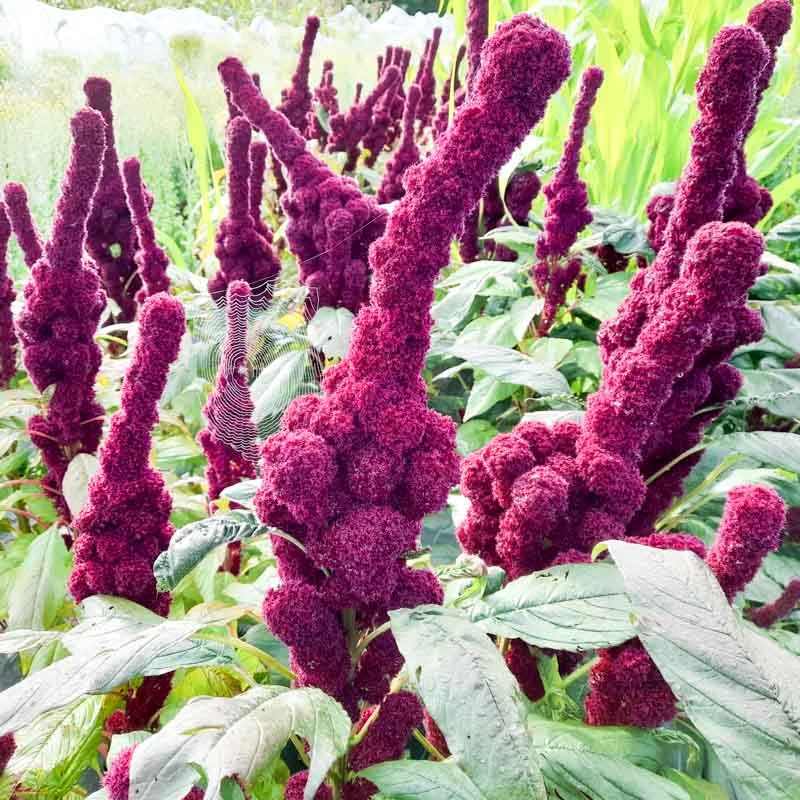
x=349 y=128
x=767 y=615
x=296 y=100
x=427 y=82
x=726 y=94
x=243 y=253
x=353 y=471
x=22 y=223
x=750 y=529
x=567 y=212
x=477 y=32
x=63 y=304
x=453 y=84
x=259 y=152
x=229 y=439
x=124 y=524
x=151 y=260
x=8 y=339
x=406 y=155
x=331 y=223
x=326 y=98
x=110 y=234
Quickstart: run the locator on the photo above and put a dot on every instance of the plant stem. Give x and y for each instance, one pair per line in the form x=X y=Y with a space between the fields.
x=579 y=673
x=685 y=454
x=301 y=750
x=362 y=732
x=265 y=658
x=427 y=746
x=20 y=482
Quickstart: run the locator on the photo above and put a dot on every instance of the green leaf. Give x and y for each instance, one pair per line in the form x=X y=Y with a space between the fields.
x=609 y=292
x=40 y=583
x=485 y=393
x=329 y=330
x=787 y=231
x=775 y=448
x=238 y=736
x=597 y=761
x=550 y=351
x=738 y=687
x=487 y=330
x=75 y=485
x=696 y=788
x=116 y=641
x=473 y=698
x=782 y=325
x=522 y=312
x=192 y=543
x=511 y=366
x=550 y=416
x=278 y=384
x=777 y=390
x=242 y=493
x=473 y=435
x=422 y=780
x=572 y=607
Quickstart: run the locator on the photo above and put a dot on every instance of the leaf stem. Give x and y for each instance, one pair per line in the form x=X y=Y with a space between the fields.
x=675 y=461
x=265 y=658
x=579 y=673
x=427 y=746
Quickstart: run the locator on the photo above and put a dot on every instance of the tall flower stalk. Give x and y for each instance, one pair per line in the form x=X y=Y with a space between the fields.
x=63 y=301
x=8 y=339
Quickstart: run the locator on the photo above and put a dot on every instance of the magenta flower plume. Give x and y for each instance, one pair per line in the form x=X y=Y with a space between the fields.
x=296 y=100
x=151 y=260
x=352 y=472
x=7 y=748
x=243 y=253
x=326 y=99
x=427 y=81
x=330 y=222
x=453 y=84
x=259 y=151
x=296 y=786
x=767 y=615
x=350 y=127
x=22 y=223
x=63 y=304
x=477 y=32
x=750 y=529
x=726 y=93
x=389 y=107
x=406 y=155
x=746 y=201
x=229 y=439
x=8 y=339
x=124 y=524
x=567 y=211
x=110 y=234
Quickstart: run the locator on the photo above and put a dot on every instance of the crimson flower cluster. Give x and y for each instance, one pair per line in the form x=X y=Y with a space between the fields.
x=326 y=98
x=768 y=614
x=406 y=155
x=567 y=210
x=353 y=471
x=8 y=339
x=229 y=439
x=426 y=80
x=296 y=100
x=151 y=260
x=110 y=233
x=330 y=222
x=63 y=304
x=243 y=252
x=389 y=109
x=124 y=524
x=453 y=84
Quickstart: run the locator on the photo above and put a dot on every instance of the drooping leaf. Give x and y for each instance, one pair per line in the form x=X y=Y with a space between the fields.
x=329 y=331
x=278 y=384
x=238 y=736
x=192 y=543
x=777 y=390
x=609 y=292
x=486 y=392
x=572 y=607
x=474 y=699
x=75 y=485
x=774 y=448
x=474 y=434
x=422 y=780
x=40 y=585
x=739 y=688
x=242 y=493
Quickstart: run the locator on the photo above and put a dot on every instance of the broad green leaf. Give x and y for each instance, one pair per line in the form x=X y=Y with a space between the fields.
x=550 y=351
x=75 y=485
x=455 y=305
x=242 y=493
x=696 y=788
x=468 y=273
x=739 y=688
x=121 y=741
x=487 y=330
x=40 y=585
x=609 y=292
x=238 y=736
x=604 y=763
x=522 y=312
x=329 y=331
x=278 y=384
x=572 y=607
x=788 y=230
x=511 y=366
x=422 y=780
x=485 y=393
x=473 y=697
x=109 y=648
x=55 y=736
x=775 y=448
x=777 y=390
x=782 y=325
x=473 y=435
x=192 y=543
x=17 y=641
